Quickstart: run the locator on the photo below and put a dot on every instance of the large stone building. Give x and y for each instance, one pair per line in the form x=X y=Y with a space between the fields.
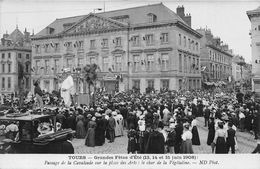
x=15 y=56
x=216 y=58
x=146 y=46
x=254 y=17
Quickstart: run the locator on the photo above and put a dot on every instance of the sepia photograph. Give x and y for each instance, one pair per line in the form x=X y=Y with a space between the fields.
x=129 y=77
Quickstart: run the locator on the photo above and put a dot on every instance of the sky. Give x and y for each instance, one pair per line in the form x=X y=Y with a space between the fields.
x=227 y=19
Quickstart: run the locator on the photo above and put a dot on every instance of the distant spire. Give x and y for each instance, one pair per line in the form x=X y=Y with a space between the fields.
x=33 y=32
x=16 y=26
x=25 y=30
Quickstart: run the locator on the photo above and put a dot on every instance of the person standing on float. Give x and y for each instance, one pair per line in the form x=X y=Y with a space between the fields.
x=38 y=93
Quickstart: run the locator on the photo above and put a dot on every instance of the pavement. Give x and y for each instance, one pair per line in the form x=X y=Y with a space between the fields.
x=246 y=143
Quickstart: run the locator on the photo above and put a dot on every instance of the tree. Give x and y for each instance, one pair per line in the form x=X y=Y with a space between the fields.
x=90 y=75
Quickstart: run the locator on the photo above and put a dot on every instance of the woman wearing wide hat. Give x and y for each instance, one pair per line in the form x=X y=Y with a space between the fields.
x=220 y=139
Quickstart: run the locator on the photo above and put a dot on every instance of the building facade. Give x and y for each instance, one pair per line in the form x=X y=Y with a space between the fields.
x=254 y=17
x=216 y=59
x=142 y=47
x=15 y=62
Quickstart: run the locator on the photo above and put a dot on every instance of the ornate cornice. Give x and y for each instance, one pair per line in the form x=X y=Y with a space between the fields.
x=165 y=49
x=92 y=53
x=188 y=52
x=67 y=55
x=37 y=57
x=136 y=51
x=150 y=50
x=118 y=51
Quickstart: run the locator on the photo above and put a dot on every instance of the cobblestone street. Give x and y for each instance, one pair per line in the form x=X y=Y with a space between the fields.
x=246 y=144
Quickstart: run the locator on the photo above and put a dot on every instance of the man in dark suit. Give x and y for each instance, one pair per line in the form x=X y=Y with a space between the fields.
x=231 y=133
x=206 y=116
x=111 y=128
x=67 y=147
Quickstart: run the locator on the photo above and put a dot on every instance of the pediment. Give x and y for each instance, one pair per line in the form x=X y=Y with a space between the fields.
x=94 y=23
x=92 y=53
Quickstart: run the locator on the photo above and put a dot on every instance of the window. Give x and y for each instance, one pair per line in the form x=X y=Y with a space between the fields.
x=47 y=85
x=184 y=41
x=9 y=55
x=149 y=39
x=164 y=38
x=27 y=68
x=196 y=46
x=189 y=63
x=81 y=43
x=189 y=43
x=19 y=55
x=105 y=64
x=197 y=65
x=3 y=82
x=46 y=66
x=69 y=63
x=165 y=61
x=118 y=63
x=165 y=84
x=27 y=56
x=92 y=60
x=9 y=68
x=180 y=39
x=3 y=56
x=9 y=82
x=92 y=44
x=136 y=40
x=259 y=27
x=193 y=45
x=104 y=43
x=3 y=68
x=152 y=18
x=150 y=84
x=27 y=83
x=136 y=84
x=80 y=62
x=47 y=48
x=56 y=47
x=136 y=63
x=118 y=41
x=185 y=64
x=180 y=62
x=37 y=65
x=56 y=66
x=193 y=65
x=150 y=61
x=38 y=48
x=68 y=45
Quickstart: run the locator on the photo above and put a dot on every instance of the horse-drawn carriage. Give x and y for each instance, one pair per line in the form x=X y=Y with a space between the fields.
x=36 y=133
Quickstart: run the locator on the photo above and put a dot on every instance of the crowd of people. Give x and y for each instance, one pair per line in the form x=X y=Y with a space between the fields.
x=163 y=122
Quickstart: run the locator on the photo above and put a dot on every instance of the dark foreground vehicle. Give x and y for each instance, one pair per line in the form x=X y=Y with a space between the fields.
x=29 y=138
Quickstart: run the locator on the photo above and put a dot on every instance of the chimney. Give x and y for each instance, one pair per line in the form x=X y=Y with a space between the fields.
x=5 y=35
x=187 y=19
x=180 y=11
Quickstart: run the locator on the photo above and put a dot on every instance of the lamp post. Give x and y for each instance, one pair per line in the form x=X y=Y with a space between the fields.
x=241 y=63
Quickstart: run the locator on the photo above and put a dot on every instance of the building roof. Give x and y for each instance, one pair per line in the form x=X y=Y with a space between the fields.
x=137 y=16
x=255 y=12
x=16 y=36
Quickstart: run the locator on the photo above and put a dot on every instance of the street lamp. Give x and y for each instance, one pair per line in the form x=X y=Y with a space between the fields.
x=98 y=9
x=241 y=63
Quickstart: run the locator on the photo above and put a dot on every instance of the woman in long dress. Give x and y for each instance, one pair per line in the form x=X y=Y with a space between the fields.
x=90 y=137
x=186 y=147
x=195 y=133
x=99 y=131
x=220 y=139
x=80 y=128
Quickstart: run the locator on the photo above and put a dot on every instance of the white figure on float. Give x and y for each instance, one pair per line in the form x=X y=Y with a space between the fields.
x=67 y=90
